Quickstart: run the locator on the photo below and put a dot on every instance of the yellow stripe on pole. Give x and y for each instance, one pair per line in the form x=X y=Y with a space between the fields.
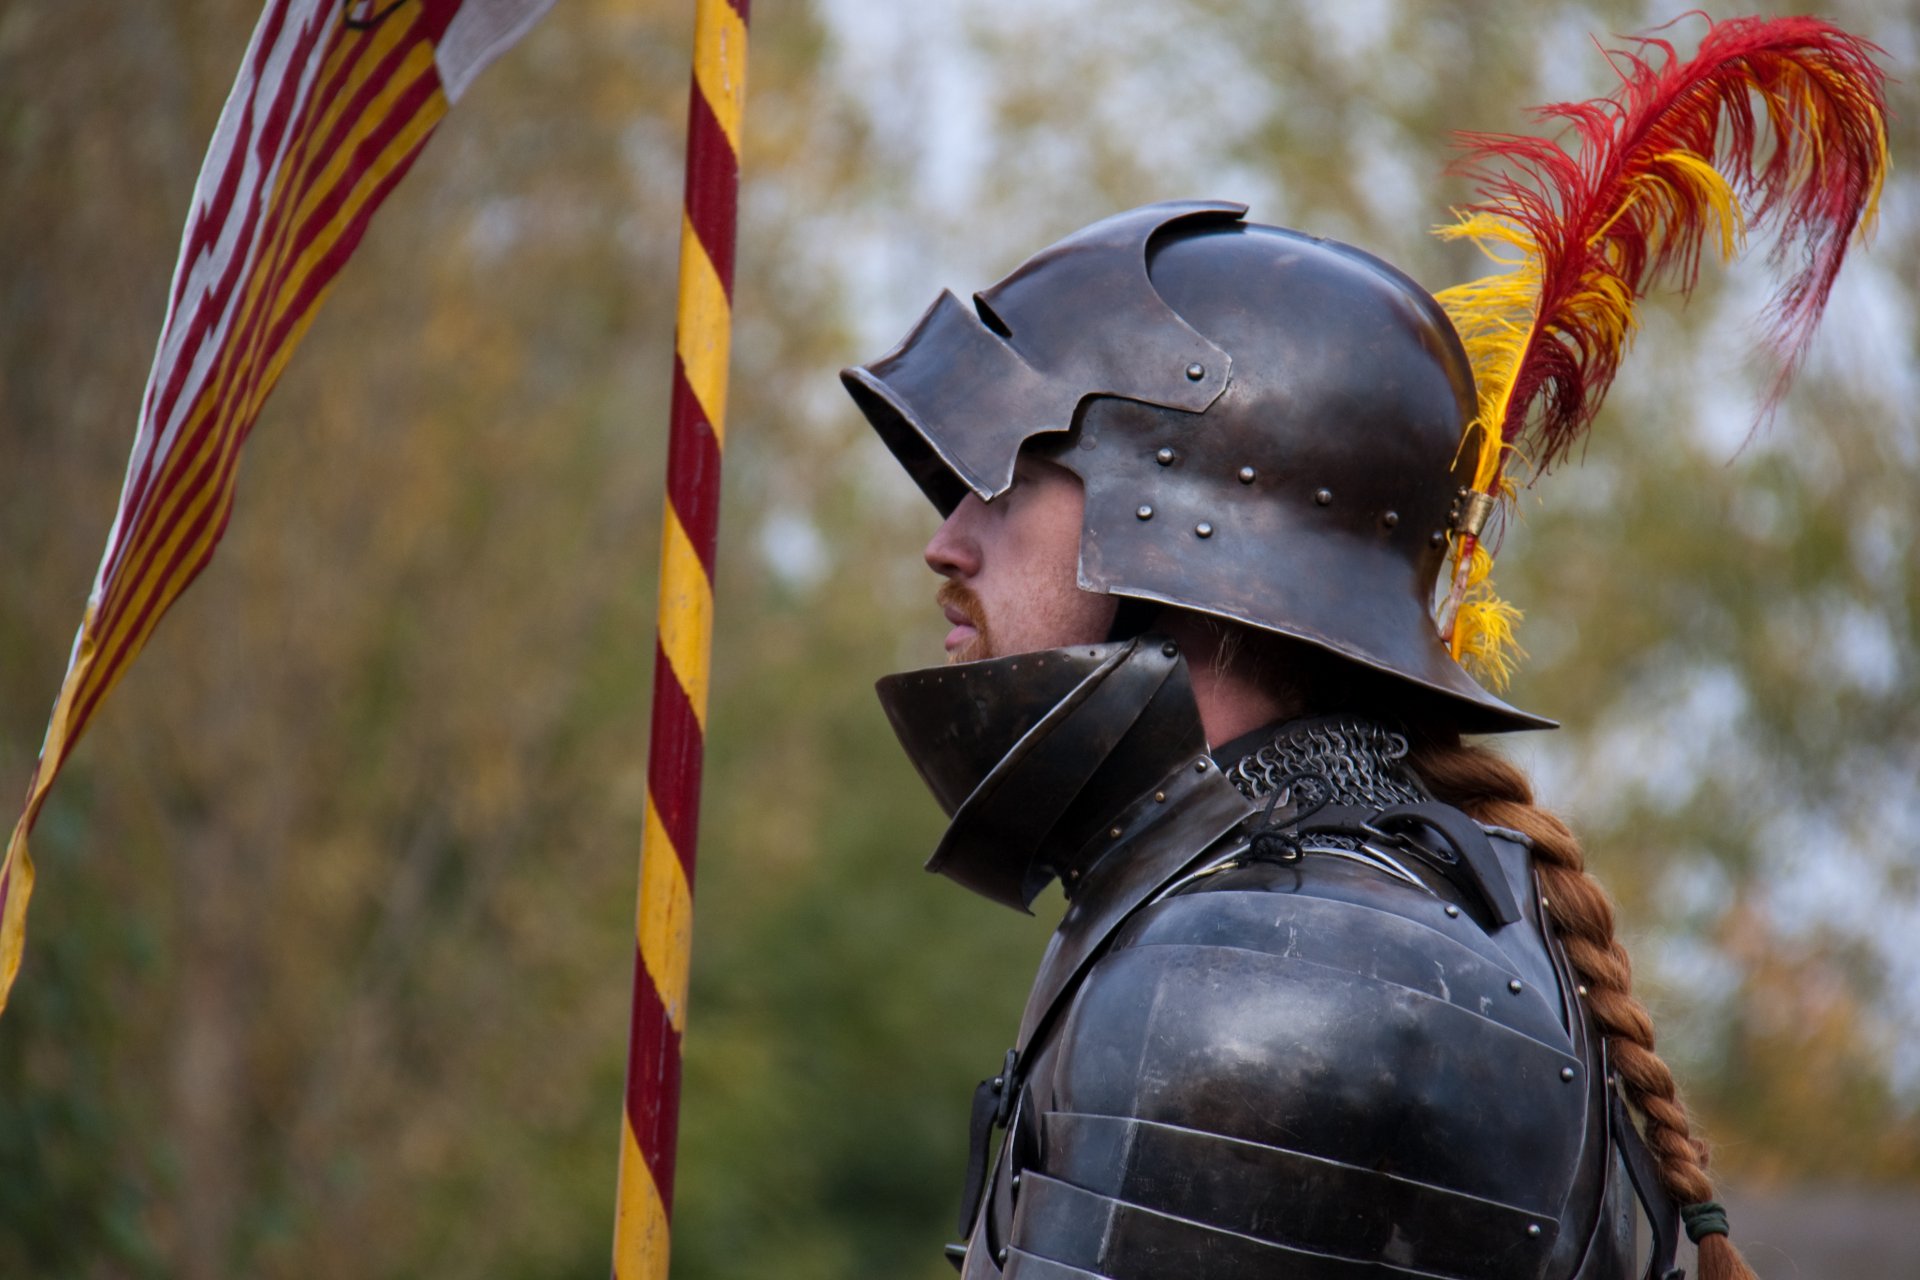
x=686 y=613
x=720 y=64
x=665 y=919
x=704 y=336
x=640 y=1231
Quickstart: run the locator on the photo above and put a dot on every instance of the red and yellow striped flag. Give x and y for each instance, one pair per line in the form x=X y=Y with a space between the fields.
x=333 y=102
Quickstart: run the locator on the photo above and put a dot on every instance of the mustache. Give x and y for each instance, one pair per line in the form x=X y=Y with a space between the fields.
x=958 y=595
x=961 y=599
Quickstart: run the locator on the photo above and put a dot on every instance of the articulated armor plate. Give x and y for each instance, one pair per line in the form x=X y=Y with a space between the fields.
x=1299 y=1019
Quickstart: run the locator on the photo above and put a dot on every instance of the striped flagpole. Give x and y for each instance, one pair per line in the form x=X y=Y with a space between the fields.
x=696 y=431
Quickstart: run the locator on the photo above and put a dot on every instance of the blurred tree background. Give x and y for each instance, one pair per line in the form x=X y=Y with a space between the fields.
x=327 y=972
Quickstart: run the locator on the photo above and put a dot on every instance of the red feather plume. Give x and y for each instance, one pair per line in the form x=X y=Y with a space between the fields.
x=1617 y=211
x=1784 y=119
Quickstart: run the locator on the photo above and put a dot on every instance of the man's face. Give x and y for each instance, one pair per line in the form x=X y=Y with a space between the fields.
x=1011 y=569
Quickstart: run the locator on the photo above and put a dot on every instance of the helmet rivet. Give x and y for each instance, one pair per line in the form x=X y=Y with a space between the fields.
x=1203 y=529
x=1246 y=475
x=1566 y=1073
x=1159 y=797
x=1515 y=986
x=1199 y=766
x=1533 y=1230
x=1144 y=511
x=1170 y=649
x=1436 y=539
x=1164 y=457
x=1390 y=519
x=1324 y=497
x=1195 y=372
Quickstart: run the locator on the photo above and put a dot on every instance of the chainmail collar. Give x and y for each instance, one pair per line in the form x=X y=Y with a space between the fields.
x=1362 y=762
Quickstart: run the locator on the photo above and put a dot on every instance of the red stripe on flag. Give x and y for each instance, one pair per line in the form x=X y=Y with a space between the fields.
x=206 y=231
x=202 y=232
x=713 y=184
x=693 y=469
x=294 y=183
x=406 y=106
x=435 y=15
x=219 y=464
x=291 y=180
x=674 y=761
x=305 y=154
x=303 y=157
x=653 y=1081
x=245 y=355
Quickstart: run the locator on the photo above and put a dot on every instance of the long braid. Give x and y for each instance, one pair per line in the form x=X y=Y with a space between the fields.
x=1494 y=790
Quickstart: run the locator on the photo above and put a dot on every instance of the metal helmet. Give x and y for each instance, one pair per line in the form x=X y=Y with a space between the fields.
x=1268 y=426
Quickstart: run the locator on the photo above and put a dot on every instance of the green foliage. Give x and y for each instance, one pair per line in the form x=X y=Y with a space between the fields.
x=327 y=968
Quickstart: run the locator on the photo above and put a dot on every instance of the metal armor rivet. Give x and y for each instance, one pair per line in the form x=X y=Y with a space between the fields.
x=1533 y=1230
x=1164 y=457
x=1436 y=539
x=1246 y=475
x=1203 y=529
x=1452 y=911
x=1566 y=1073
x=1195 y=372
x=1390 y=519
x=1144 y=511
x=1581 y=990
x=1544 y=904
x=1170 y=649
x=1199 y=766
x=1514 y=986
x=999 y=1083
x=1159 y=797
x=1016 y=1182
x=1114 y=833
x=1073 y=874
x=1001 y=1257
x=1324 y=497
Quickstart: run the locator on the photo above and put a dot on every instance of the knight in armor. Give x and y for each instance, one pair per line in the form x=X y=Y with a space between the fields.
x=1331 y=996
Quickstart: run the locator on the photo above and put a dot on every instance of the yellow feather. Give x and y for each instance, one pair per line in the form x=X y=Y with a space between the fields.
x=1483 y=632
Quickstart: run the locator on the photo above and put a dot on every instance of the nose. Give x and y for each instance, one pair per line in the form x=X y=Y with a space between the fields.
x=953 y=551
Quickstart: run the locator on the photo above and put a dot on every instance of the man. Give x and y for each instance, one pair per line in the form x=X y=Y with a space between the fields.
x=1302 y=1017
x=1331 y=997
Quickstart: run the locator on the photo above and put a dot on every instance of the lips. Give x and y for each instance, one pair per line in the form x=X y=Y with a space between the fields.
x=964 y=627
x=962 y=608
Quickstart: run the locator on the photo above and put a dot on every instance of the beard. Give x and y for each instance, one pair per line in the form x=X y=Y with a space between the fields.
x=958 y=596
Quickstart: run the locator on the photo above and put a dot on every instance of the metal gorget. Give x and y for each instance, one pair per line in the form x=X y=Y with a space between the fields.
x=1048 y=762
